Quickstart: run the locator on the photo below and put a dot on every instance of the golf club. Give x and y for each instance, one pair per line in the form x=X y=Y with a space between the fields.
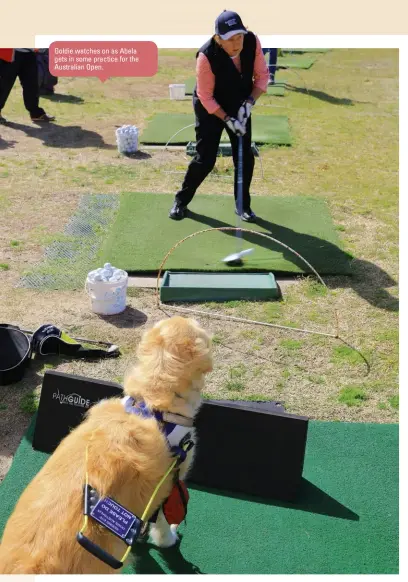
x=112 y=347
x=235 y=259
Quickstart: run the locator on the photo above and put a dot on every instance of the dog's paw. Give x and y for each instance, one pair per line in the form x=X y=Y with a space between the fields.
x=165 y=539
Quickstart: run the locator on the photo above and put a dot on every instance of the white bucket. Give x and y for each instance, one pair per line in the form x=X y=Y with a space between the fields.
x=107 y=297
x=177 y=91
x=127 y=139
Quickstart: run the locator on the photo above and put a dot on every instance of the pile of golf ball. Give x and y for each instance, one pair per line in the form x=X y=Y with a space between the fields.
x=127 y=139
x=107 y=274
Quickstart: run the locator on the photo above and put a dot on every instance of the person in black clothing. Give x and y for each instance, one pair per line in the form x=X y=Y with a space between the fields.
x=24 y=66
x=231 y=75
x=273 y=59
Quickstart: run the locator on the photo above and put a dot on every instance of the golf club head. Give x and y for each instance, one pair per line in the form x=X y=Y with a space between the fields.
x=245 y=252
x=236 y=258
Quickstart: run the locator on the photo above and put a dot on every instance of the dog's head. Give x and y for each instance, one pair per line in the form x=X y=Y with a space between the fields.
x=173 y=357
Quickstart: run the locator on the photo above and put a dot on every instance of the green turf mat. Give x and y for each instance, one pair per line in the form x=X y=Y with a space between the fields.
x=345 y=521
x=190 y=84
x=305 y=50
x=296 y=62
x=142 y=235
x=278 y=89
x=266 y=129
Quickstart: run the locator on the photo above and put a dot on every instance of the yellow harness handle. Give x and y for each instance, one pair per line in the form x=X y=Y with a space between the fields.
x=148 y=506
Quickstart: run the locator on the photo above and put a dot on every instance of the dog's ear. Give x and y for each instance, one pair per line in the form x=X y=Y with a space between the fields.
x=151 y=342
x=188 y=344
x=184 y=347
x=151 y=339
x=202 y=355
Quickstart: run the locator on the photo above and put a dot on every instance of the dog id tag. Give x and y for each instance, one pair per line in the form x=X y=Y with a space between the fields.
x=117 y=519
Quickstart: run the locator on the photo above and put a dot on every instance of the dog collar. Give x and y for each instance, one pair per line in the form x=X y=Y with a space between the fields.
x=177 y=435
x=142 y=409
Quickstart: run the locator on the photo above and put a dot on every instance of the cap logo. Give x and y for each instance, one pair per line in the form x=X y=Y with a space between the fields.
x=231 y=21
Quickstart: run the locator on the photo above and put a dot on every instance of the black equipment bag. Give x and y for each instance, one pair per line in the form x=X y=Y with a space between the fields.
x=48 y=340
x=15 y=353
x=46 y=81
x=17 y=346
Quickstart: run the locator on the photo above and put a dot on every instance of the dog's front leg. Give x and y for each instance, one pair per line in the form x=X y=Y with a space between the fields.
x=162 y=534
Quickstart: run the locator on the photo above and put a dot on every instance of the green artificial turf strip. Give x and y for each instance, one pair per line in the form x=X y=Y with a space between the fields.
x=296 y=62
x=278 y=89
x=142 y=234
x=305 y=50
x=266 y=129
x=344 y=522
x=190 y=84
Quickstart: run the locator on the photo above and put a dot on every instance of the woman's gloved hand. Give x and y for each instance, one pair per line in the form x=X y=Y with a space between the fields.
x=244 y=111
x=235 y=125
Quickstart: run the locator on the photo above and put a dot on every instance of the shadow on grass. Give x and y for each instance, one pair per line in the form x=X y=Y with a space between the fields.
x=324 y=96
x=139 y=155
x=33 y=373
x=310 y=499
x=145 y=562
x=367 y=279
x=30 y=380
x=130 y=318
x=27 y=400
x=60 y=136
x=5 y=144
x=62 y=98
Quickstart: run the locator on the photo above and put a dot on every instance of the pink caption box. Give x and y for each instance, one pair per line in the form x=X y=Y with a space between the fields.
x=103 y=59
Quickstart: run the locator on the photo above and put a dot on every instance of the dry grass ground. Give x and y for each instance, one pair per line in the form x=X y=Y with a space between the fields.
x=345 y=127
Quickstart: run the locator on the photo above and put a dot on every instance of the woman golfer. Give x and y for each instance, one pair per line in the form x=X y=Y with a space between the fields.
x=231 y=74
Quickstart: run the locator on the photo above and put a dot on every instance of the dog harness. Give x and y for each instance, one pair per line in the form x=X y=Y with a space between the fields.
x=177 y=435
x=116 y=518
x=174 y=426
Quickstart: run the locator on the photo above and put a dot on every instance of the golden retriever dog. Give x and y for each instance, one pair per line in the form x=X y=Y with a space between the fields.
x=125 y=456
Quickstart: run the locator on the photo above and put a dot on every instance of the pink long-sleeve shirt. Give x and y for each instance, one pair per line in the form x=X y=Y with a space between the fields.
x=206 y=78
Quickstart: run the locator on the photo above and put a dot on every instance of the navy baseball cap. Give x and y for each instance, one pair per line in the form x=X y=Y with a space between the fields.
x=229 y=23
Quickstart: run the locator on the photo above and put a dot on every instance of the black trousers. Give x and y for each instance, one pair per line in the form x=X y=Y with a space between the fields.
x=208 y=134
x=273 y=59
x=24 y=67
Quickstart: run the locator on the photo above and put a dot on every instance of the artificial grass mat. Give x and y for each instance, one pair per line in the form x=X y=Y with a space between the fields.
x=142 y=234
x=296 y=61
x=305 y=50
x=277 y=90
x=344 y=522
x=162 y=127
